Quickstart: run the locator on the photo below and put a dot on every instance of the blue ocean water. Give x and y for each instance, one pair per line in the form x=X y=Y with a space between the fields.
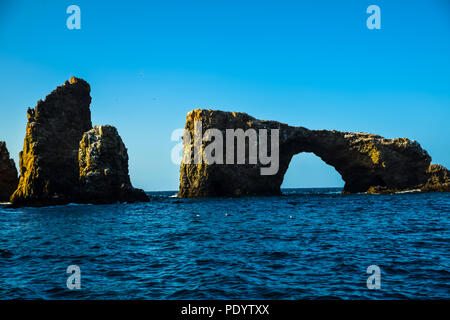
x=306 y=244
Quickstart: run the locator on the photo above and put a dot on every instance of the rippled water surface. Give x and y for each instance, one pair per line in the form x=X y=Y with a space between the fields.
x=309 y=243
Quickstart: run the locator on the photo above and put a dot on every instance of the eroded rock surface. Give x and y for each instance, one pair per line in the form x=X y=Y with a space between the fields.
x=8 y=174
x=365 y=161
x=49 y=160
x=49 y=163
x=438 y=179
x=103 y=161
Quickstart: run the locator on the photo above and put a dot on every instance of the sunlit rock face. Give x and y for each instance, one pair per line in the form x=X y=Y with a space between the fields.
x=49 y=160
x=103 y=162
x=49 y=163
x=366 y=162
x=438 y=179
x=8 y=174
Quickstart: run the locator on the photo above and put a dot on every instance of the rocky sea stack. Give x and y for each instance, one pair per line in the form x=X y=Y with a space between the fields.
x=8 y=174
x=366 y=162
x=49 y=163
x=103 y=162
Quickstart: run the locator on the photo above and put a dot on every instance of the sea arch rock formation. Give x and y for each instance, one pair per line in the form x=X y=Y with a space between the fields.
x=366 y=162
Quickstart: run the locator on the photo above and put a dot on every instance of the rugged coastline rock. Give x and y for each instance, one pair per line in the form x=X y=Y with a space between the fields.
x=49 y=167
x=8 y=174
x=103 y=162
x=438 y=179
x=365 y=161
x=49 y=163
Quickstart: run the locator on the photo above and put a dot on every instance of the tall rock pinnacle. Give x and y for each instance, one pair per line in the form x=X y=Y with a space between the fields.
x=49 y=168
x=49 y=162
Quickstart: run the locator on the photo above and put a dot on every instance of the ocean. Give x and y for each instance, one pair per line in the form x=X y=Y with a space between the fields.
x=306 y=244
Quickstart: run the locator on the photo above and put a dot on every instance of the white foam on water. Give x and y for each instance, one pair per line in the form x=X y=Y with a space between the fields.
x=409 y=191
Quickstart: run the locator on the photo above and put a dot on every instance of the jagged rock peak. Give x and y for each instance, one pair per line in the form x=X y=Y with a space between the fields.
x=49 y=160
x=49 y=164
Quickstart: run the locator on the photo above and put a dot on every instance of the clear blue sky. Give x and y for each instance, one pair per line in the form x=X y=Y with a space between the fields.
x=308 y=63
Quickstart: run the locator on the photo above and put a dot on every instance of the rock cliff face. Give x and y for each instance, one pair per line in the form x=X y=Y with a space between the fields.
x=103 y=161
x=8 y=174
x=366 y=162
x=49 y=160
x=49 y=168
x=438 y=179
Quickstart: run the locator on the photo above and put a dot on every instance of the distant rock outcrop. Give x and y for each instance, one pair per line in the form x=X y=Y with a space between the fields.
x=103 y=161
x=438 y=179
x=8 y=174
x=366 y=162
x=49 y=169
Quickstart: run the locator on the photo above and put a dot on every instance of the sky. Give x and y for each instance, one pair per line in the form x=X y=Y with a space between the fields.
x=307 y=63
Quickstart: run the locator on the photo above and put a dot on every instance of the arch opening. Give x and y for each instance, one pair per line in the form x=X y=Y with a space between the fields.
x=306 y=170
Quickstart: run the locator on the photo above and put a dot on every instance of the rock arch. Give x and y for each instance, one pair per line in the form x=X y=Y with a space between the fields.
x=366 y=162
